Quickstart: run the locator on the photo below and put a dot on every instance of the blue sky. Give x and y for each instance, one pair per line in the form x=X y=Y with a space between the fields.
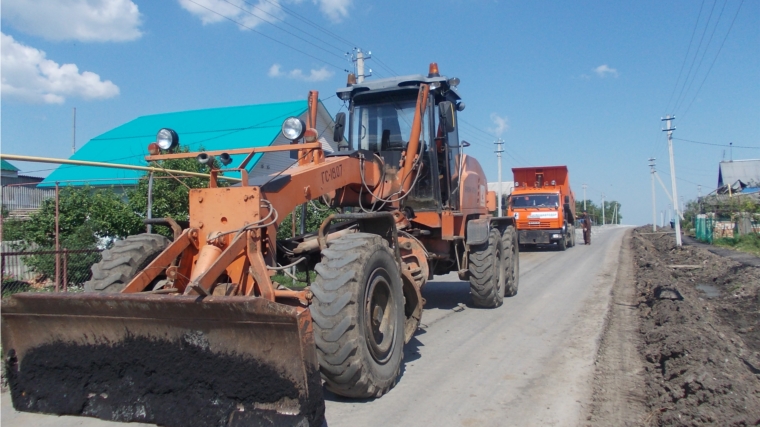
x=580 y=83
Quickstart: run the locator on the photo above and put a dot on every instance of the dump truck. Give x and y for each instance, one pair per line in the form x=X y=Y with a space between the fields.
x=196 y=331
x=543 y=206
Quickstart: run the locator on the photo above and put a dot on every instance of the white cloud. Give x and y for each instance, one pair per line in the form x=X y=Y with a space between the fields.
x=336 y=10
x=29 y=76
x=250 y=15
x=501 y=124
x=83 y=20
x=246 y=13
x=317 y=75
x=604 y=70
x=274 y=70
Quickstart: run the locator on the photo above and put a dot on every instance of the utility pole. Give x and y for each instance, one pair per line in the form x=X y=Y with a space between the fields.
x=654 y=207
x=584 y=196
x=358 y=60
x=74 y=131
x=498 y=152
x=603 y=218
x=670 y=130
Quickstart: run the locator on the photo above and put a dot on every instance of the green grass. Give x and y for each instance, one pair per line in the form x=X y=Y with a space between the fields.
x=288 y=282
x=749 y=243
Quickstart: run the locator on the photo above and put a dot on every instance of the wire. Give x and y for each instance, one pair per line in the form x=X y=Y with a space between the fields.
x=718 y=145
x=699 y=15
x=317 y=26
x=715 y=59
x=264 y=35
x=280 y=28
x=699 y=65
x=678 y=99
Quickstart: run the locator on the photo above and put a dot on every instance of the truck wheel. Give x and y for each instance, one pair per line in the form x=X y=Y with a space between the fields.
x=123 y=261
x=358 y=313
x=486 y=274
x=510 y=261
x=562 y=244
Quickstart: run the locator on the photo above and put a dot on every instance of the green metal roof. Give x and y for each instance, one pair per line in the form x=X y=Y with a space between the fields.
x=213 y=129
x=7 y=166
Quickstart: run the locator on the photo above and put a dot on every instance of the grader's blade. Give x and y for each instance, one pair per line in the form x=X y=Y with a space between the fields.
x=169 y=360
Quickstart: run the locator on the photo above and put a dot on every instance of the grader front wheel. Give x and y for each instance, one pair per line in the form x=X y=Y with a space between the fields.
x=358 y=313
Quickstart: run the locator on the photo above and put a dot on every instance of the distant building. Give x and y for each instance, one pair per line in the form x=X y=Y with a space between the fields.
x=210 y=129
x=19 y=193
x=739 y=175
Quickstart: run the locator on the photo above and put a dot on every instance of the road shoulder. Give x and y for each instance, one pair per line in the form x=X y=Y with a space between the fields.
x=618 y=383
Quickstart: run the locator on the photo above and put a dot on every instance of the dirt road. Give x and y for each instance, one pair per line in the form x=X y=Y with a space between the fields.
x=527 y=363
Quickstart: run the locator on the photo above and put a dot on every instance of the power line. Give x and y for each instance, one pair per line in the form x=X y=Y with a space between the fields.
x=264 y=35
x=718 y=145
x=307 y=21
x=699 y=15
x=280 y=28
x=696 y=53
x=704 y=53
x=716 y=58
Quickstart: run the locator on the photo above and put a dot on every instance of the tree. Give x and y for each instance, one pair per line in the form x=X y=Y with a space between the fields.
x=87 y=219
x=315 y=214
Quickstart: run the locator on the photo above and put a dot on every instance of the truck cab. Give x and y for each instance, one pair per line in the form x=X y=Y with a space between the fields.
x=543 y=206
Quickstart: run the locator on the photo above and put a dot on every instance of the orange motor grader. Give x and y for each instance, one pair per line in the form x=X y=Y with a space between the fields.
x=194 y=331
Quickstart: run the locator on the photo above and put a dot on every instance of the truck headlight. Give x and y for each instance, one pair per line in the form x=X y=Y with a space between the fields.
x=167 y=139
x=293 y=128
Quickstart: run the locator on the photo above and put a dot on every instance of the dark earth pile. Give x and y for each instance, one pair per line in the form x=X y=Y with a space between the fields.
x=156 y=381
x=701 y=334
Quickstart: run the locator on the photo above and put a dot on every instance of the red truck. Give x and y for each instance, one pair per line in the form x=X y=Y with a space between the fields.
x=543 y=206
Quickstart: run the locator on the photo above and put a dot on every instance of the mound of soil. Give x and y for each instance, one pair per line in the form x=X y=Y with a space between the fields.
x=700 y=324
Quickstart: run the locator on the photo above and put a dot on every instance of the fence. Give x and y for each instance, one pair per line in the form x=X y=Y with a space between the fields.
x=707 y=228
x=24 y=198
x=703 y=228
x=36 y=270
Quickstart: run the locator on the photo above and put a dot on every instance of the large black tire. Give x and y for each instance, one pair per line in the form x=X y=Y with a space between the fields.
x=562 y=244
x=358 y=313
x=510 y=261
x=486 y=274
x=123 y=261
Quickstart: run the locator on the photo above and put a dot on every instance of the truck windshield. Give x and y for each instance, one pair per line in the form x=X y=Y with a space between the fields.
x=535 y=200
x=384 y=124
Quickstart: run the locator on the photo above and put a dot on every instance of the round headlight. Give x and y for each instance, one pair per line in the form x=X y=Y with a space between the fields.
x=293 y=128
x=167 y=138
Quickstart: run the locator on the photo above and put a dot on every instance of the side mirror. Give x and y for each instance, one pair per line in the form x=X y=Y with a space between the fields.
x=446 y=112
x=567 y=200
x=340 y=124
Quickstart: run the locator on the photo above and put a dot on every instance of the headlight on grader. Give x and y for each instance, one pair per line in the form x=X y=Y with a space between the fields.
x=293 y=128
x=167 y=139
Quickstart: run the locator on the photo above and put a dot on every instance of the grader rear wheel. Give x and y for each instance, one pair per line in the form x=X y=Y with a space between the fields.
x=510 y=261
x=486 y=274
x=123 y=261
x=358 y=313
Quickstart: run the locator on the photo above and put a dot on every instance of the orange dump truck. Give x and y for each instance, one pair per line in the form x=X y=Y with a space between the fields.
x=543 y=206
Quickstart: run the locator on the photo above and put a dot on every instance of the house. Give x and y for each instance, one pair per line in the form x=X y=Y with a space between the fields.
x=740 y=175
x=208 y=129
x=19 y=195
